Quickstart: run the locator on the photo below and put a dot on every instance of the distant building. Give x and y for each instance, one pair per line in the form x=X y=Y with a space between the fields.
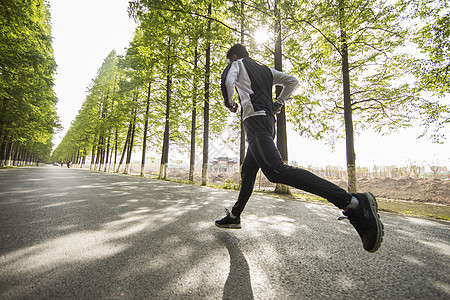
x=224 y=165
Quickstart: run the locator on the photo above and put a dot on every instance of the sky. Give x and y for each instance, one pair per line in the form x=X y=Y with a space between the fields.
x=86 y=31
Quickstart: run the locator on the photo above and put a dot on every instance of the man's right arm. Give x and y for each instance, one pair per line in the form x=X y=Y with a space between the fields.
x=227 y=84
x=288 y=82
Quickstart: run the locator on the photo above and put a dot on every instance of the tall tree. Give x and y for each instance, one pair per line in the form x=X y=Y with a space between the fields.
x=206 y=103
x=193 y=115
x=348 y=119
x=281 y=117
x=242 y=135
x=165 y=147
x=27 y=103
x=191 y=20
x=144 y=142
x=352 y=48
x=431 y=34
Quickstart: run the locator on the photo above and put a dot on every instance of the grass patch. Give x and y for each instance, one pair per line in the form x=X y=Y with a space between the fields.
x=179 y=181
x=227 y=185
x=415 y=209
x=408 y=208
x=309 y=197
x=230 y=185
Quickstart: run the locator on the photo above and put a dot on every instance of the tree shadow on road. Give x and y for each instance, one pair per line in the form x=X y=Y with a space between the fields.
x=238 y=284
x=88 y=236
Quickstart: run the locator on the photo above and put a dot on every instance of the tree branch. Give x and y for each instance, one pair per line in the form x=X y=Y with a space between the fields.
x=292 y=18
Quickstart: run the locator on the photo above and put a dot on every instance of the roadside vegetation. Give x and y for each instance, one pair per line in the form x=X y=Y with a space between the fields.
x=353 y=59
x=398 y=206
x=28 y=117
x=362 y=64
x=411 y=203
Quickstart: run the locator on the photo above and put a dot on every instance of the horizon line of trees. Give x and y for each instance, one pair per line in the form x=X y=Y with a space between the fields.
x=350 y=56
x=28 y=116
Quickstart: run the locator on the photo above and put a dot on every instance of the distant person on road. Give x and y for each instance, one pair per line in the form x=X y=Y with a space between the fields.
x=253 y=82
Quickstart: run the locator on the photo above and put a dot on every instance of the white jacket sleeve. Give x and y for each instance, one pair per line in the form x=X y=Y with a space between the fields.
x=288 y=82
x=230 y=81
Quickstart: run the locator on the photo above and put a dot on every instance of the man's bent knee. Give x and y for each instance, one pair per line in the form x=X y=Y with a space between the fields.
x=272 y=175
x=276 y=174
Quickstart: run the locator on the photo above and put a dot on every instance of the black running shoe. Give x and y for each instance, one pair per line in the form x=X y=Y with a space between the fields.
x=366 y=221
x=229 y=222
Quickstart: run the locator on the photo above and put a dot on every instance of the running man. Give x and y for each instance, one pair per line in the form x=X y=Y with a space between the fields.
x=253 y=82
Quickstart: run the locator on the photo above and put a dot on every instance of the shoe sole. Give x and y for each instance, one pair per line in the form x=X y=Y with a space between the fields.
x=229 y=226
x=380 y=227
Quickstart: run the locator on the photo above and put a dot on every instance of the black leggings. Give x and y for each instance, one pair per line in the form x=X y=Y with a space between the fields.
x=262 y=153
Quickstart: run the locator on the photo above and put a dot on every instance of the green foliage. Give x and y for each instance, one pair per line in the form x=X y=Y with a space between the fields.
x=430 y=33
x=373 y=35
x=99 y=114
x=167 y=54
x=28 y=117
x=230 y=185
x=155 y=54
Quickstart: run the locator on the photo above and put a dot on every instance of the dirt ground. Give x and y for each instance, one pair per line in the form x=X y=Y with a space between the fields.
x=417 y=190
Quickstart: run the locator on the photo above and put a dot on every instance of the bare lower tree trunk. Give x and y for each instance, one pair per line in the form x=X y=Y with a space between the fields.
x=144 y=142
x=3 y=145
x=130 y=144
x=193 y=118
x=165 y=149
x=124 y=148
x=99 y=152
x=116 y=147
x=242 y=141
x=281 y=118
x=107 y=152
x=206 y=107
x=349 y=141
x=10 y=152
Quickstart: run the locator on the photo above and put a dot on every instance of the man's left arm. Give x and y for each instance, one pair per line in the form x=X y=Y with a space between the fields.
x=288 y=82
x=228 y=80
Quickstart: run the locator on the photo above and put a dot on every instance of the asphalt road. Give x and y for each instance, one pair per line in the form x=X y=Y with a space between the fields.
x=77 y=234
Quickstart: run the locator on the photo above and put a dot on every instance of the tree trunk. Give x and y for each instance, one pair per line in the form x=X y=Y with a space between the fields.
x=109 y=159
x=206 y=107
x=193 y=118
x=281 y=118
x=93 y=153
x=99 y=152
x=115 y=148
x=350 y=146
x=242 y=142
x=107 y=151
x=124 y=147
x=3 y=145
x=28 y=158
x=144 y=142
x=165 y=149
x=84 y=158
x=23 y=157
x=131 y=142
x=10 y=151
x=16 y=161
x=77 y=161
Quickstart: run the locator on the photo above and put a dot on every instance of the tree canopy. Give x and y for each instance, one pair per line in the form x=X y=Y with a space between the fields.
x=28 y=117
x=352 y=58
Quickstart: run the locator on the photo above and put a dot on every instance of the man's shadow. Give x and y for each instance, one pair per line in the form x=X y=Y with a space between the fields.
x=238 y=284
